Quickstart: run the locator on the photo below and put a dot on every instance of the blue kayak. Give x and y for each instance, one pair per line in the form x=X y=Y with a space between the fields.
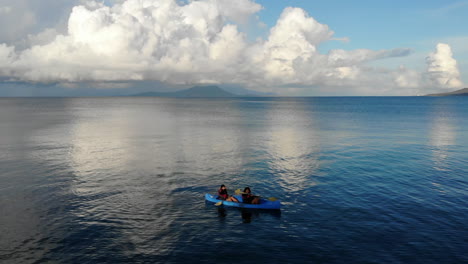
x=264 y=204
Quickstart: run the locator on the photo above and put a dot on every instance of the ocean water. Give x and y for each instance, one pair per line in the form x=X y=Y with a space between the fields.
x=122 y=180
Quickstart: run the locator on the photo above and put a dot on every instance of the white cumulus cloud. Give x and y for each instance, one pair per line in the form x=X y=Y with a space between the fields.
x=198 y=42
x=442 y=68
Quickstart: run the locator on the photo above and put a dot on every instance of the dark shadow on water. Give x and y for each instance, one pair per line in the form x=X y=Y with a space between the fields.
x=222 y=213
x=247 y=214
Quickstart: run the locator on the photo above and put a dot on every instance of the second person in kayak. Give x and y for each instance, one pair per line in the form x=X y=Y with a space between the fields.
x=247 y=197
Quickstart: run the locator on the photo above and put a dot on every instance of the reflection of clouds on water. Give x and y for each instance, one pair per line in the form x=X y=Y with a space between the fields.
x=176 y=141
x=442 y=136
x=293 y=145
x=99 y=145
x=114 y=173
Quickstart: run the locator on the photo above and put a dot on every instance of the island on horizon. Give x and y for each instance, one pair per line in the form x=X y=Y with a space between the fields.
x=461 y=92
x=213 y=91
x=196 y=92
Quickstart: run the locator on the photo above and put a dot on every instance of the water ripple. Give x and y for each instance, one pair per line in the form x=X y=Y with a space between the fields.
x=120 y=180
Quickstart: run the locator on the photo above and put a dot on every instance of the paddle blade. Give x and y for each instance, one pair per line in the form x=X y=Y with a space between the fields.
x=272 y=199
x=219 y=203
x=238 y=191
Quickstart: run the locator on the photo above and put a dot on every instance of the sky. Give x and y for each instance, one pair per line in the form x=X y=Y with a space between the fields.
x=285 y=47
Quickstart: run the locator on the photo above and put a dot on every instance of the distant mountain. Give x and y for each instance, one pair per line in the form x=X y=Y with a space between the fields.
x=194 y=92
x=462 y=92
x=241 y=91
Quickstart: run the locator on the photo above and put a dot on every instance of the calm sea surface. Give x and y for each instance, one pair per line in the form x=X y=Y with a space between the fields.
x=122 y=180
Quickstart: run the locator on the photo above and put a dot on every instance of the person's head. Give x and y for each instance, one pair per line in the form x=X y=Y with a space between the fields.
x=247 y=190
x=222 y=187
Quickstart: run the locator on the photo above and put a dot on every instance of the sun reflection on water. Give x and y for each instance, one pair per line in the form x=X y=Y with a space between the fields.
x=442 y=136
x=293 y=145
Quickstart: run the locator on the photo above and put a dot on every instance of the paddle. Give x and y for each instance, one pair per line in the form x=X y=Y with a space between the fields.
x=272 y=199
x=219 y=203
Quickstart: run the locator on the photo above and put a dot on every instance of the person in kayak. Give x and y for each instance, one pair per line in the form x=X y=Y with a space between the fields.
x=247 y=197
x=223 y=195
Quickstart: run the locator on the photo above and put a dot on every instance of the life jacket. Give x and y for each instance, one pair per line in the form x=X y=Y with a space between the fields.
x=247 y=198
x=223 y=194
